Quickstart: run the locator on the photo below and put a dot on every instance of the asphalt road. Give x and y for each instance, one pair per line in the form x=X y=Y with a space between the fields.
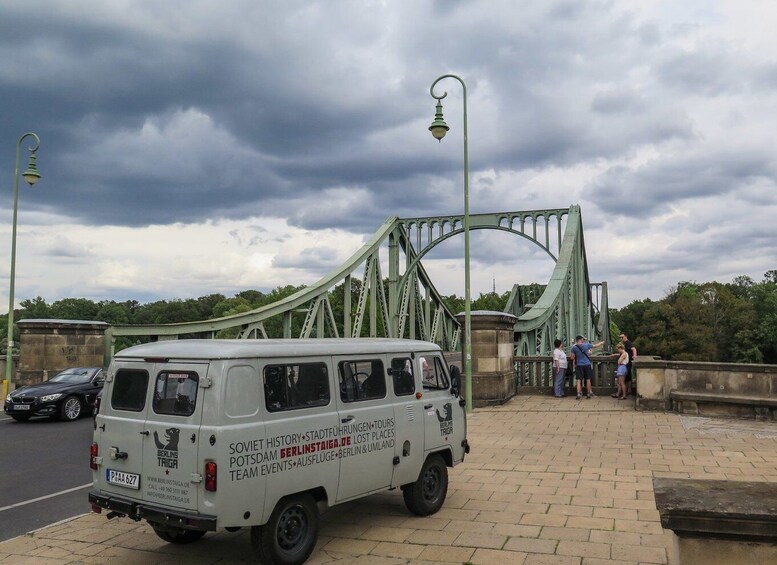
x=41 y=458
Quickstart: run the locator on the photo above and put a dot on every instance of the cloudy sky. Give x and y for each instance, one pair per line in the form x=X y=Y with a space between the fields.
x=191 y=147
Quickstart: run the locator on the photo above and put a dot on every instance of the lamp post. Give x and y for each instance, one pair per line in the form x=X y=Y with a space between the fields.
x=439 y=128
x=31 y=175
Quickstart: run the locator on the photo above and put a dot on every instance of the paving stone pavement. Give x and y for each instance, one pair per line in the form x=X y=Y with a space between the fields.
x=549 y=482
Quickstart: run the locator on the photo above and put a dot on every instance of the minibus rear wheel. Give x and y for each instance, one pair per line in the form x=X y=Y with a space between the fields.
x=427 y=495
x=289 y=536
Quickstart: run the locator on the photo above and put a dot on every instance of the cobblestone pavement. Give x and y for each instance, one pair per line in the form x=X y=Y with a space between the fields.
x=549 y=482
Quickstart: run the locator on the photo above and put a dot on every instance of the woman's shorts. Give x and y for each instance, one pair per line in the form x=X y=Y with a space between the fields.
x=622 y=370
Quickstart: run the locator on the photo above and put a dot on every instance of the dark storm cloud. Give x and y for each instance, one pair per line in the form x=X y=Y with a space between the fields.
x=317 y=112
x=656 y=185
x=91 y=86
x=286 y=111
x=63 y=250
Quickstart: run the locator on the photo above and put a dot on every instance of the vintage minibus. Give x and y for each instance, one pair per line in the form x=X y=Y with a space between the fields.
x=197 y=435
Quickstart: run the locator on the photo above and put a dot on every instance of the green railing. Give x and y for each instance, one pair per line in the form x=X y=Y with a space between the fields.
x=534 y=374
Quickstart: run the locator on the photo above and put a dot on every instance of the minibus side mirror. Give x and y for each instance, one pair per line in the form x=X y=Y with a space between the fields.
x=455 y=380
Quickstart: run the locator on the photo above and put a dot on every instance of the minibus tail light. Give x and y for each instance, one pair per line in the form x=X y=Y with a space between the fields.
x=94 y=451
x=210 y=476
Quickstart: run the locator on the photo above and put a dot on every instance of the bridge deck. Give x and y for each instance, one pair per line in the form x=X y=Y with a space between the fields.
x=548 y=481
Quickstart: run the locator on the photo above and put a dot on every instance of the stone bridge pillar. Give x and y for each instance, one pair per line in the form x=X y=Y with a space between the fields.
x=493 y=375
x=48 y=346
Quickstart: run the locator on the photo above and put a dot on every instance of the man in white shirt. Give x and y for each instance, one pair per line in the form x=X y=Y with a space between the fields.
x=559 y=369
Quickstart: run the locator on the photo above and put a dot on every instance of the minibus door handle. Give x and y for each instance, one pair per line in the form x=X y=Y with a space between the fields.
x=428 y=406
x=346 y=420
x=144 y=433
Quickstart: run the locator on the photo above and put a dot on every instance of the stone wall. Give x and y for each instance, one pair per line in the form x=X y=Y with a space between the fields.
x=48 y=346
x=657 y=378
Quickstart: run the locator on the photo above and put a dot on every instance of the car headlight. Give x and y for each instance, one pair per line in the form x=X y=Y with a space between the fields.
x=50 y=397
x=8 y=398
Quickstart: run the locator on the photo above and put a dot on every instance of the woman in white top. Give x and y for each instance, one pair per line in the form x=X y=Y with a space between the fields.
x=623 y=368
x=559 y=369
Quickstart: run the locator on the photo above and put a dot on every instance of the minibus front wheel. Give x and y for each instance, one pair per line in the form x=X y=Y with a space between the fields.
x=289 y=536
x=427 y=495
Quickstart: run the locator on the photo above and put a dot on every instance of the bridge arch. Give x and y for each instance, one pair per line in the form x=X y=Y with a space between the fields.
x=407 y=304
x=481 y=222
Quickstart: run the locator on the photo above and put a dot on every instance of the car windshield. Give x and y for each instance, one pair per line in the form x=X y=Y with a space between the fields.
x=73 y=376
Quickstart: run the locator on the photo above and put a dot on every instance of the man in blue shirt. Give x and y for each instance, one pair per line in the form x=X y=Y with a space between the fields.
x=581 y=353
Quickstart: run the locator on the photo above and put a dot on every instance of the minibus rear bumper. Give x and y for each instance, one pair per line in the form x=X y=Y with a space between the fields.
x=142 y=511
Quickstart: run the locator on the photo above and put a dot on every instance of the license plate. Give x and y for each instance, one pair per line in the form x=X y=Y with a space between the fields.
x=21 y=406
x=122 y=479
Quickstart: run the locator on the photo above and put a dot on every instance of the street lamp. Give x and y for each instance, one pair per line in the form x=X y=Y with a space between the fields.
x=439 y=128
x=31 y=175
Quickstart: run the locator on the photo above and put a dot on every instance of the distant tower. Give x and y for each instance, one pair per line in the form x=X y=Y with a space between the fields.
x=494 y=288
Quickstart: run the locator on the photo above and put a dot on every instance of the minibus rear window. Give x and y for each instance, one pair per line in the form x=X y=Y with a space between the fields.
x=129 y=390
x=290 y=387
x=175 y=393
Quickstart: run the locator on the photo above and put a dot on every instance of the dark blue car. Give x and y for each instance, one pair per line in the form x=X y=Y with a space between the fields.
x=67 y=395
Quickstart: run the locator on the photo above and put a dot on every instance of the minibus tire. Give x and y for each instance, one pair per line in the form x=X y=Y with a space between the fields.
x=181 y=537
x=427 y=495
x=289 y=536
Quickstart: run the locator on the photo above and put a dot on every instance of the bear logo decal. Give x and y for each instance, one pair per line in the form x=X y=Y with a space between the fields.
x=167 y=451
x=446 y=422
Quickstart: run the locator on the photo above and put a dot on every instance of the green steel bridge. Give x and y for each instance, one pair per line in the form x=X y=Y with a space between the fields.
x=407 y=305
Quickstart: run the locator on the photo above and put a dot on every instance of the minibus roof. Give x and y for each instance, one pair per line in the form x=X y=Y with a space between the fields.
x=203 y=349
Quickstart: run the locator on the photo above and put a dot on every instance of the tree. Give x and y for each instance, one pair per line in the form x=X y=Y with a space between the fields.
x=207 y=303
x=230 y=306
x=33 y=309
x=74 y=309
x=253 y=297
x=112 y=312
x=491 y=301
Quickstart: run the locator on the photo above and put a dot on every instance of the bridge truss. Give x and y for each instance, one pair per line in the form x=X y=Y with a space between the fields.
x=406 y=304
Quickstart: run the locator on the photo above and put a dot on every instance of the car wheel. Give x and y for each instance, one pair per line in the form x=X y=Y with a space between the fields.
x=20 y=418
x=70 y=409
x=427 y=495
x=290 y=535
x=179 y=537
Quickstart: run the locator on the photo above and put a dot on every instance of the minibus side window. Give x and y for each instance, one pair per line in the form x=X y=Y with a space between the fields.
x=402 y=374
x=129 y=390
x=434 y=375
x=290 y=387
x=175 y=393
x=362 y=380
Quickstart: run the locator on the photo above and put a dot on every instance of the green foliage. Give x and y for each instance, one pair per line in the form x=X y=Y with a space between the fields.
x=34 y=308
x=615 y=331
x=735 y=322
x=454 y=303
x=711 y=321
x=491 y=301
x=74 y=309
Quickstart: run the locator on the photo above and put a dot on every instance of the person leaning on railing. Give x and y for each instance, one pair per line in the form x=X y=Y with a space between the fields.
x=581 y=353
